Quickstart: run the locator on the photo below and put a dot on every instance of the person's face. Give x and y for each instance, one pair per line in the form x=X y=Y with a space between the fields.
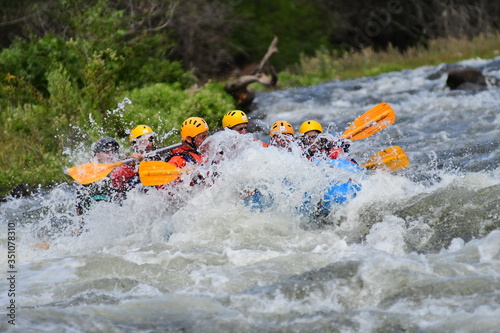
x=240 y=128
x=310 y=140
x=199 y=139
x=143 y=144
x=106 y=157
x=283 y=140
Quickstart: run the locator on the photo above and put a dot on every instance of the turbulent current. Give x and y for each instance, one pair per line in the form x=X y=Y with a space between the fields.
x=417 y=250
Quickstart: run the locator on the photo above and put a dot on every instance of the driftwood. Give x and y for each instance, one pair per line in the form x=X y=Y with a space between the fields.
x=270 y=50
x=264 y=73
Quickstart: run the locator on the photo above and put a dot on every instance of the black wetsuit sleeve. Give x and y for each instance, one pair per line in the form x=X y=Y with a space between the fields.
x=83 y=198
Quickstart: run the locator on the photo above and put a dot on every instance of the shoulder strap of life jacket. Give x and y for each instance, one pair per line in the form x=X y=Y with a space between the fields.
x=187 y=156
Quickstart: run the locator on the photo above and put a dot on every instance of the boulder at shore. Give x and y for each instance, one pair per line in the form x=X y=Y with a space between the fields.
x=466 y=79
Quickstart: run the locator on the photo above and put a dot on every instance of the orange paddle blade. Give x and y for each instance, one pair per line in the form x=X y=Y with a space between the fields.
x=370 y=122
x=91 y=172
x=154 y=173
x=392 y=158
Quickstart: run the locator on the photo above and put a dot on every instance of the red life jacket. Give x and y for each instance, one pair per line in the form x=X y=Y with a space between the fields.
x=335 y=152
x=120 y=177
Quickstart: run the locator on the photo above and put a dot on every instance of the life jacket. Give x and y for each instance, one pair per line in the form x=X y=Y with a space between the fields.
x=123 y=176
x=183 y=155
x=261 y=142
x=332 y=151
x=180 y=157
x=335 y=152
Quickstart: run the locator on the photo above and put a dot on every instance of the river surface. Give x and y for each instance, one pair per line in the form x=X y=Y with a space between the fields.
x=417 y=250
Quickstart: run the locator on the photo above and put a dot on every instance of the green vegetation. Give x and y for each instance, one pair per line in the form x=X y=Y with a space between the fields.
x=261 y=17
x=326 y=65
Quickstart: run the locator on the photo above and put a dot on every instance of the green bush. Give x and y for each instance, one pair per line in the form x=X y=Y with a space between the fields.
x=146 y=63
x=16 y=91
x=29 y=150
x=31 y=61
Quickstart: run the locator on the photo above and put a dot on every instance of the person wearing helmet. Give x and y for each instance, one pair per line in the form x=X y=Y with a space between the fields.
x=237 y=120
x=194 y=131
x=319 y=146
x=282 y=135
x=142 y=141
x=316 y=143
x=105 y=150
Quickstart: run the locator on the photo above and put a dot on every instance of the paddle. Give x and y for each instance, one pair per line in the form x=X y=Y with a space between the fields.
x=370 y=122
x=393 y=158
x=91 y=172
x=157 y=172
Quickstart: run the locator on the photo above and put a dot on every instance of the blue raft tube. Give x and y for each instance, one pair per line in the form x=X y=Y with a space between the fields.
x=336 y=193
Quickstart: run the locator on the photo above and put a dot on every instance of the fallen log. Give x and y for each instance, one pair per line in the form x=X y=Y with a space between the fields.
x=264 y=73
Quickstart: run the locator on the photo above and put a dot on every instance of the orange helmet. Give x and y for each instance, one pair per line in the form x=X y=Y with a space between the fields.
x=281 y=126
x=192 y=127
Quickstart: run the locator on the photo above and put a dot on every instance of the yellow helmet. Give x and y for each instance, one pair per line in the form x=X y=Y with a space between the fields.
x=281 y=126
x=139 y=131
x=233 y=118
x=310 y=125
x=192 y=127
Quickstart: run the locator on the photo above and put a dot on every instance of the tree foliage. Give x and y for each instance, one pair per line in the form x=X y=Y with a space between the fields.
x=211 y=38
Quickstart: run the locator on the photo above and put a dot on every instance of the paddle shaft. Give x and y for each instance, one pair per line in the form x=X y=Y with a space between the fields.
x=175 y=145
x=151 y=153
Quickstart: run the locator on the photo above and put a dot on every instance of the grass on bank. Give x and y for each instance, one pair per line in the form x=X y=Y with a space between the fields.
x=35 y=133
x=323 y=66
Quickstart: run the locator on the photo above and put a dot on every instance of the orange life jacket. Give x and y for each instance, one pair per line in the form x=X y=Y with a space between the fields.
x=182 y=155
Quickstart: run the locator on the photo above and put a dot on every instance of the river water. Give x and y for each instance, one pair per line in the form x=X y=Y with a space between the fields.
x=417 y=250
